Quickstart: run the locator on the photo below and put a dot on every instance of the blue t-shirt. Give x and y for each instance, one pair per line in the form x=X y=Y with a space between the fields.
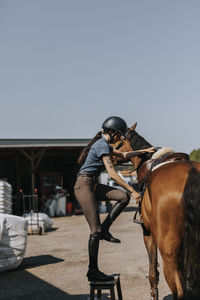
x=94 y=163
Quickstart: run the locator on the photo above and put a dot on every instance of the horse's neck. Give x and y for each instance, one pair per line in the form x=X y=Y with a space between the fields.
x=137 y=142
x=136 y=161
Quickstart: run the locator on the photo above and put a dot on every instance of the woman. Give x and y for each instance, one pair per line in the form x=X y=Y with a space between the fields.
x=93 y=160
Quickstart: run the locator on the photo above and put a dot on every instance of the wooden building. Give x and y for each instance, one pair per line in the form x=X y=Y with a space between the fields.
x=38 y=166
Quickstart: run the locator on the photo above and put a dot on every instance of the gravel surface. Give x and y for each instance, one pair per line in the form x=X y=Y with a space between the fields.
x=55 y=263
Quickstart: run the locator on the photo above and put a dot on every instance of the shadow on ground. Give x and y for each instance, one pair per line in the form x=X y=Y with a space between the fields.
x=130 y=208
x=37 y=261
x=52 y=229
x=19 y=284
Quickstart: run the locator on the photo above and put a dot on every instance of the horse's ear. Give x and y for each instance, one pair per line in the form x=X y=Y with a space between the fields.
x=133 y=127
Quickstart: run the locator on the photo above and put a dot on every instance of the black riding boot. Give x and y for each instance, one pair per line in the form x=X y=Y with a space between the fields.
x=113 y=214
x=93 y=273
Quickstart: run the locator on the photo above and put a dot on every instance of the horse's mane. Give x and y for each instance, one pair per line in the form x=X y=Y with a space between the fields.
x=137 y=142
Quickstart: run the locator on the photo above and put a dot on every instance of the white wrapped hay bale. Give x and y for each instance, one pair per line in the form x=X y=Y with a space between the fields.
x=5 y=197
x=38 y=219
x=13 y=241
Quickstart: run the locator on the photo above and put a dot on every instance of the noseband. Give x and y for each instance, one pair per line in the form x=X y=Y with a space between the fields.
x=121 y=143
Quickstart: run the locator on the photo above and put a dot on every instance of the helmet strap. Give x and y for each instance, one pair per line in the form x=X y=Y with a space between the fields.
x=112 y=135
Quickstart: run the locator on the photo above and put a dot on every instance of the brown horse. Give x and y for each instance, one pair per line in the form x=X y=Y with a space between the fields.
x=170 y=212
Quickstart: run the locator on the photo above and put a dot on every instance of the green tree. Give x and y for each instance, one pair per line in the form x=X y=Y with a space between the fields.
x=195 y=155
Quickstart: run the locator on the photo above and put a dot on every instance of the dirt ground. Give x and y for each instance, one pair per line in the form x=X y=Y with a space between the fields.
x=55 y=263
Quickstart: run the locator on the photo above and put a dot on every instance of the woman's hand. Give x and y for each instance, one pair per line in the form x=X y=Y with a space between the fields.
x=124 y=154
x=149 y=150
x=135 y=195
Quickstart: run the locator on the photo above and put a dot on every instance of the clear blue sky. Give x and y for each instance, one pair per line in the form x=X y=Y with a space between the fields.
x=66 y=65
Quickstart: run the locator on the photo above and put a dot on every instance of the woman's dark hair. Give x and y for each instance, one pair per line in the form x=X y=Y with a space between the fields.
x=85 y=150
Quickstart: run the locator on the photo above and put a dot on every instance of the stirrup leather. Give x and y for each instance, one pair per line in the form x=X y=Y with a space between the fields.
x=138 y=210
x=135 y=216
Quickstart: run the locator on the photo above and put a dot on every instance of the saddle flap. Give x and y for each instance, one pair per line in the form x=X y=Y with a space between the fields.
x=144 y=170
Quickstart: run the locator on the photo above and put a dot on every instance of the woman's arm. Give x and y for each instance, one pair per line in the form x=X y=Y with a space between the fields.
x=113 y=174
x=128 y=155
x=138 y=152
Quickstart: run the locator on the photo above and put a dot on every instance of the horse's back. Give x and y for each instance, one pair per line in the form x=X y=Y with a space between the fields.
x=168 y=179
x=162 y=207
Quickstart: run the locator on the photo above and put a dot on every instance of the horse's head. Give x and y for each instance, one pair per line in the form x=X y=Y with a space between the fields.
x=133 y=142
x=123 y=146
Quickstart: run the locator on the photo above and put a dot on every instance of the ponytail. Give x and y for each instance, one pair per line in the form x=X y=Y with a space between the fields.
x=85 y=150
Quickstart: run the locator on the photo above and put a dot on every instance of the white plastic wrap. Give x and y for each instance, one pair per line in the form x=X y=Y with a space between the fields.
x=61 y=206
x=51 y=205
x=5 y=197
x=40 y=219
x=13 y=241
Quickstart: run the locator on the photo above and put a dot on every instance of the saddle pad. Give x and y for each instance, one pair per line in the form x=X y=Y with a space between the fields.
x=161 y=164
x=158 y=154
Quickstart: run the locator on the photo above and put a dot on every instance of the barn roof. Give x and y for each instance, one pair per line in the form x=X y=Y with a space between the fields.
x=44 y=143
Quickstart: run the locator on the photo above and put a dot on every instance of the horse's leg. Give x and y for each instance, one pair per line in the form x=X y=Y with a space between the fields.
x=153 y=263
x=172 y=276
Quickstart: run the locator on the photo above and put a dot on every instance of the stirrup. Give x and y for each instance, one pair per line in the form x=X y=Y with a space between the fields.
x=135 y=216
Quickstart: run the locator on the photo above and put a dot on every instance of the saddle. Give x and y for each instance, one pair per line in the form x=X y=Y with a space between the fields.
x=147 y=168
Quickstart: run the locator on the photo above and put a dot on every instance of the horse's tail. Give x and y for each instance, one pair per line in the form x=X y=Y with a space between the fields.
x=189 y=258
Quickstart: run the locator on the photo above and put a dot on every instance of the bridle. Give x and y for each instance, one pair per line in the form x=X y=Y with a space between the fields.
x=120 y=145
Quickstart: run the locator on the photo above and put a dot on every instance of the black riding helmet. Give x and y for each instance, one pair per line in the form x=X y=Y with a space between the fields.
x=116 y=124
